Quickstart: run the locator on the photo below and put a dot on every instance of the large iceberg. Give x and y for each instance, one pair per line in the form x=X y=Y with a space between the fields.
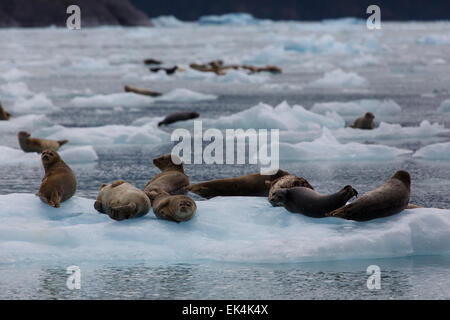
x=233 y=229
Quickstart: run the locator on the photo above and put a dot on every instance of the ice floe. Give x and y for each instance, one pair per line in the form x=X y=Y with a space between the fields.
x=328 y=148
x=358 y=108
x=234 y=229
x=237 y=19
x=167 y=21
x=340 y=79
x=445 y=106
x=437 y=151
x=71 y=155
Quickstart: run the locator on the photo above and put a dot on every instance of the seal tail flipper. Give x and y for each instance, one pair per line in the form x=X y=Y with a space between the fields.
x=160 y=123
x=99 y=206
x=61 y=142
x=413 y=206
x=338 y=213
x=55 y=199
x=122 y=212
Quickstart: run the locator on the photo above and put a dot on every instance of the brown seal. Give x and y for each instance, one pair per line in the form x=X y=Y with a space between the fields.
x=250 y=185
x=141 y=91
x=121 y=200
x=59 y=183
x=309 y=202
x=385 y=200
x=365 y=122
x=38 y=145
x=254 y=69
x=178 y=116
x=172 y=179
x=285 y=182
x=3 y=114
x=172 y=207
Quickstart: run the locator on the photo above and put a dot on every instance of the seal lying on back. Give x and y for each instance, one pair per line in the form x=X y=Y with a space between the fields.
x=385 y=200
x=121 y=200
x=178 y=116
x=144 y=92
x=309 y=202
x=250 y=185
x=365 y=122
x=38 y=145
x=59 y=183
x=174 y=208
x=172 y=179
x=3 y=114
x=285 y=182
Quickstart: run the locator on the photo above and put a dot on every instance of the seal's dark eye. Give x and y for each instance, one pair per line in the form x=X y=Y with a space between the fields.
x=51 y=153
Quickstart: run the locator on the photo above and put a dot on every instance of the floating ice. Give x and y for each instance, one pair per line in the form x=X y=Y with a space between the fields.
x=185 y=95
x=358 y=108
x=71 y=155
x=328 y=148
x=15 y=89
x=37 y=103
x=166 y=21
x=28 y=122
x=340 y=79
x=437 y=151
x=123 y=99
x=445 y=106
x=283 y=117
x=14 y=74
x=434 y=39
x=386 y=131
x=234 y=229
x=237 y=76
x=107 y=135
x=238 y=19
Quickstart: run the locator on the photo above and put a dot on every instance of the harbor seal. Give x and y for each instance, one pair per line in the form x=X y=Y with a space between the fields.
x=285 y=182
x=309 y=202
x=365 y=122
x=169 y=71
x=172 y=207
x=144 y=92
x=38 y=145
x=121 y=200
x=178 y=116
x=59 y=183
x=385 y=200
x=250 y=185
x=172 y=179
x=3 y=114
x=152 y=61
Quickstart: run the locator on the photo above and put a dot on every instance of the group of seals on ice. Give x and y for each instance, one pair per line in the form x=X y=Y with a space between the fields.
x=216 y=66
x=164 y=193
x=120 y=200
x=298 y=196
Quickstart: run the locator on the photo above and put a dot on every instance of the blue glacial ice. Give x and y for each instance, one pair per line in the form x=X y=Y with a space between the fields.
x=234 y=229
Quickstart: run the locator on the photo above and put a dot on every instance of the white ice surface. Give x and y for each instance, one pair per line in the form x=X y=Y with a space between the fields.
x=234 y=229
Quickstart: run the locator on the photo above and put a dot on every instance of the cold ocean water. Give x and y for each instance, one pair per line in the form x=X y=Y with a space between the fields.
x=62 y=84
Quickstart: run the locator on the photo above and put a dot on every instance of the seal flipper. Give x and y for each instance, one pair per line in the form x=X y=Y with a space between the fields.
x=61 y=142
x=55 y=199
x=99 y=206
x=122 y=212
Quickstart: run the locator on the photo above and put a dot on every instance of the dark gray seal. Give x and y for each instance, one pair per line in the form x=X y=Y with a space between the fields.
x=309 y=202
x=178 y=116
x=365 y=122
x=385 y=200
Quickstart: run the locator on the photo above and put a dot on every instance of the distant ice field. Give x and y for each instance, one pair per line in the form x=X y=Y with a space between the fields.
x=62 y=84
